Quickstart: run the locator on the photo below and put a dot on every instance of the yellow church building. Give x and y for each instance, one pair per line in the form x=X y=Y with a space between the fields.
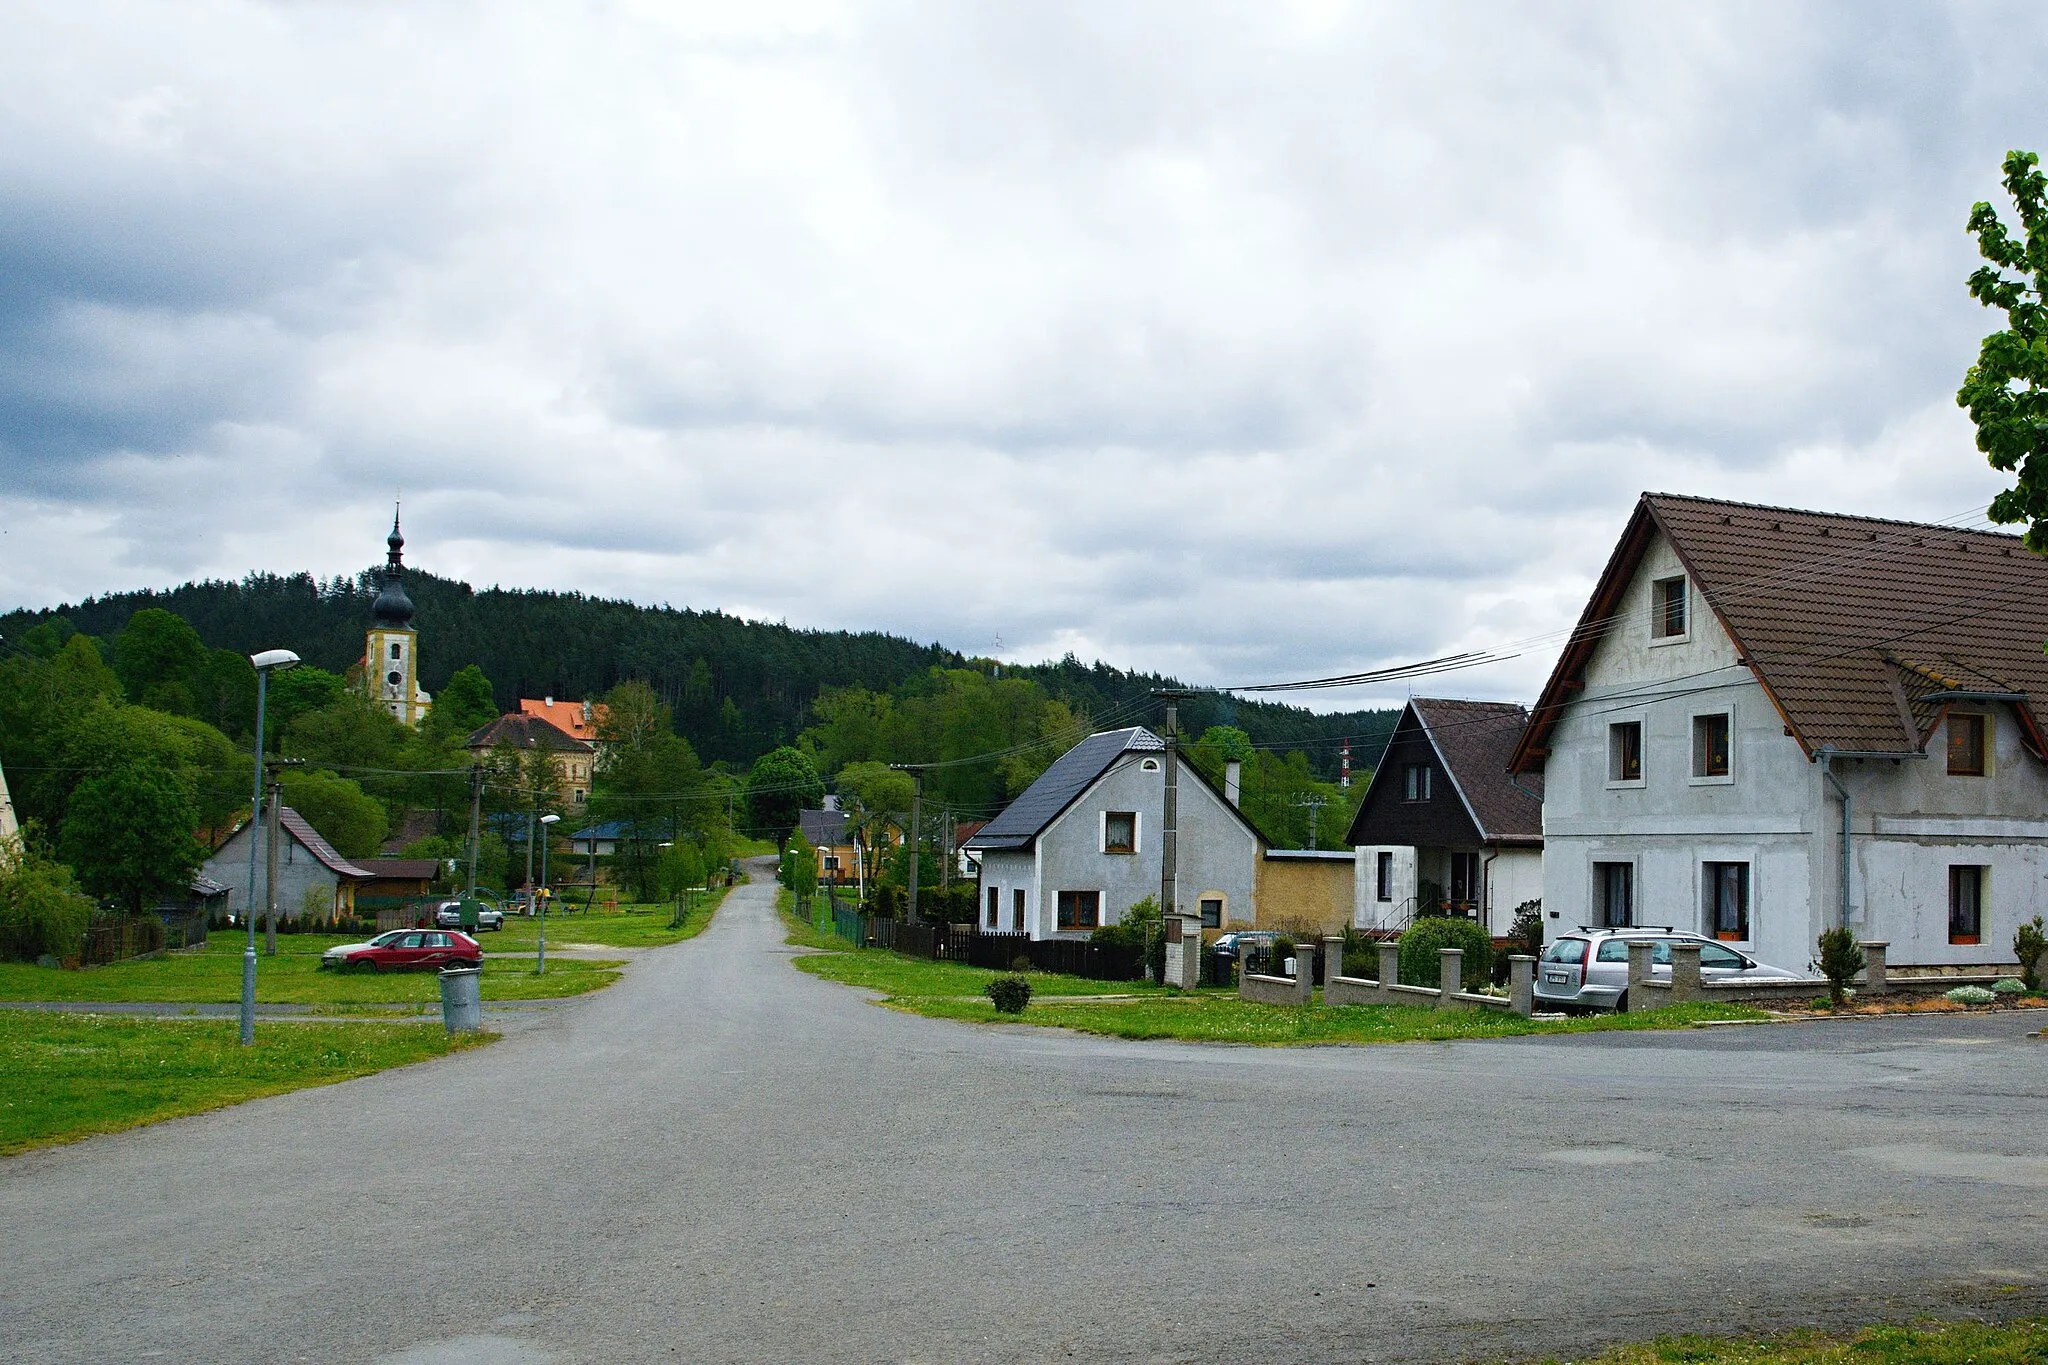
x=391 y=650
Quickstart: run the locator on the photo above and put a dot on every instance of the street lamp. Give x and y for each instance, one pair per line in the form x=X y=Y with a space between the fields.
x=266 y=663
x=540 y=960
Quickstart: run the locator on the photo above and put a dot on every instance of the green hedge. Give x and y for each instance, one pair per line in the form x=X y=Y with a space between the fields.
x=1419 y=946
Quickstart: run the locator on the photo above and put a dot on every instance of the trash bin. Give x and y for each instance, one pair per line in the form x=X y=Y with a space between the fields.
x=462 y=1002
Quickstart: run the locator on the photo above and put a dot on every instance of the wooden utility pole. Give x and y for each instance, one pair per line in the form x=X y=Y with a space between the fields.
x=916 y=771
x=476 y=809
x=1169 y=831
x=270 y=869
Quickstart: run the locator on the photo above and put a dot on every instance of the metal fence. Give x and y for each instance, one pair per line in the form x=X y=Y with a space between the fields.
x=115 y=940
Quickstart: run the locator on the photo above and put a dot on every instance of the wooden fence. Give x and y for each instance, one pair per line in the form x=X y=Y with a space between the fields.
x=118 y=939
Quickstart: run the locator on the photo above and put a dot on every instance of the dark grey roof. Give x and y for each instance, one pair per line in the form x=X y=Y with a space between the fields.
x=1059 y=786
x=1475 y=740
x=528 y=732
x=822 y=828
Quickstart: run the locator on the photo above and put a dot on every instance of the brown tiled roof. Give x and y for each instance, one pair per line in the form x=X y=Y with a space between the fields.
x=1856 y=627
x=1475 y=739
x=527 y=732
x=400 y=869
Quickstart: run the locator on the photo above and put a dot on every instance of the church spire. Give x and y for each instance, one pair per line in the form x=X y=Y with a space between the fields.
x=392 y=607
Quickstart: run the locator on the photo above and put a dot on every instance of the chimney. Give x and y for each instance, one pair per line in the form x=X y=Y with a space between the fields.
x=1233 y=775
x=549 y=703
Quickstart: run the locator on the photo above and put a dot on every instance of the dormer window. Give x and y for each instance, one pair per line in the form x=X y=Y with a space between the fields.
x=1968 y=744
x=1667 y=609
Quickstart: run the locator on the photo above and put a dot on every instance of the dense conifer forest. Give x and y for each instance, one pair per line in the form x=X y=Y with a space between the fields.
x=736 y=688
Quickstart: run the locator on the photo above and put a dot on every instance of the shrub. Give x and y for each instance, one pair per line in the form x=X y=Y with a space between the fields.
x=1021 y=963
x=1840 y=960
x=1361 y=956
x=1424 y=938
x=1277 y=953
x=2011 y=985
x=2028 y=945
x=1141 y=929
x=1009 y=993
x=1528 y=927
x=42 y=911
x=1970 y=995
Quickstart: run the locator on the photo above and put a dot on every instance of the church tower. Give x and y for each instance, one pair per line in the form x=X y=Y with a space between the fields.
x=391 y=651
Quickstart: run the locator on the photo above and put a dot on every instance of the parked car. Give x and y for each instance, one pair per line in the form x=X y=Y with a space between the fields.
x=1589 y=969
x=406 y=950
x=488 y=916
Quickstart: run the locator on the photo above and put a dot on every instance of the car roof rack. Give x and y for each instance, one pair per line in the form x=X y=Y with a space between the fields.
x=1631 y=929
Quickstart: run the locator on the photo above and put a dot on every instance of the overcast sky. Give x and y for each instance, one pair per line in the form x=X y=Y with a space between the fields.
x=1239 y=342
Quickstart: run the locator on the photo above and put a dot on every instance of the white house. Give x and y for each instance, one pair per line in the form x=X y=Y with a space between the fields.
x=1443 y=821
x=1769 y=722
x=313 y=880
x=1081 y=845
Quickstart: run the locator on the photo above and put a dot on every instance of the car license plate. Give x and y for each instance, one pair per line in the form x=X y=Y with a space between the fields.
x=1559 y=977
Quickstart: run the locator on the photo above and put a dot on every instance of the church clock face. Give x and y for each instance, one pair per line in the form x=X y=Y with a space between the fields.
x=394 y=677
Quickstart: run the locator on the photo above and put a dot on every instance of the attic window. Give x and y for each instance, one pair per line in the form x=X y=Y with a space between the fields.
x=1667 y=608
x=1150 y=765
x=1415 y=782
x=1966 y=744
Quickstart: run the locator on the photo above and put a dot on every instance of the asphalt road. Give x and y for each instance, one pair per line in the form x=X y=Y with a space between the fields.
x=723 y=1159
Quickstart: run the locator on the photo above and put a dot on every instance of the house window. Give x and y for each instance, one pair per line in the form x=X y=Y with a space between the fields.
x=1465 y=876
x=1415 y=782
x=1080 y=909
x=1383 y=877
x=1710 y=745
x=1667 y=608
x=995 y=905
x=580 y=794
x=1119 y=831
x=1724 y=892
x=1965 y=904
x=831 y=862
x=1614 y=894
x=1625 y=751
x=1017 y=910
x=1966 y=746
x=1212 y=912
x=1150 y=765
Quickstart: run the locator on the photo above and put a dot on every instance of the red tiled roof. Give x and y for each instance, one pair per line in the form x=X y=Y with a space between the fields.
x=566 y=716
x=315 y=845
x=1856 y=627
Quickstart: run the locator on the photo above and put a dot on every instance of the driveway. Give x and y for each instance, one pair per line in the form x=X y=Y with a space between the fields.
x=723 y=1159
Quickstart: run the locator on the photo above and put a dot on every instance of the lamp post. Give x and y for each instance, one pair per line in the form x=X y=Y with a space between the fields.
x=269 y=661
x=540 y=957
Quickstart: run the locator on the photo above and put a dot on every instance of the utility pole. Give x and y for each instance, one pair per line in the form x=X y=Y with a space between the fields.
x=1169 y=831
x=916 y=771
x=1315 y=805
x=946 y=842
x=1344 y=768
x=476 y=809
x=270 y=869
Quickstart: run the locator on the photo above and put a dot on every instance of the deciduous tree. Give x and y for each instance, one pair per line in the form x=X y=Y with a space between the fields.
x=128 y=835
x=2006 y=391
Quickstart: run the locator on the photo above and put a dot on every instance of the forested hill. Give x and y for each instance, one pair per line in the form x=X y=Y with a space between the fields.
x=737 y=687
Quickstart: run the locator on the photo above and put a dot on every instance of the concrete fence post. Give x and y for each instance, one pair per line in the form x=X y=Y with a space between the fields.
x=1640 y=953
x=1304 y=971
x=1873 y=965
x=1333 y=958
x=1685 y=972
x=1450 y=975
x=1522 y=984
x=1390 y=964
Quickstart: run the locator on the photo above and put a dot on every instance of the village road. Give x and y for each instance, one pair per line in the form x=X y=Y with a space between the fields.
x=723 y=1159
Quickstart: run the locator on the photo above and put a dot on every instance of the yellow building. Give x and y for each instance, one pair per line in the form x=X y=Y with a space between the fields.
x=391 y=649
x=1299 y=887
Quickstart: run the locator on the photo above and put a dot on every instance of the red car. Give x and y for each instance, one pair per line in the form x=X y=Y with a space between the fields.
x=406 y=949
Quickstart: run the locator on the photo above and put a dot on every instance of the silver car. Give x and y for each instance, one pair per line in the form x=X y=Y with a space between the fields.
x=1589 y=969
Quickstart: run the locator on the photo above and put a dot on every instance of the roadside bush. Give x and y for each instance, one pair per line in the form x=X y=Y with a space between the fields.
x=2028 y=945
x=1021 y=963
x=2011 y=985
x=42 y=911
x=1010 y=994
x=1361 y=955
x=1840 y=960
x=1970 y=995
x=1141 y=929
x=1429 y=935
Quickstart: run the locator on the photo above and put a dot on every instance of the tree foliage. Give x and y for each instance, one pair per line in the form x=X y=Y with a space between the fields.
x=345 y=817
x=128 y=835
x=2006 y=391
x=463 y=706
x=782 y=783
x=41 y=908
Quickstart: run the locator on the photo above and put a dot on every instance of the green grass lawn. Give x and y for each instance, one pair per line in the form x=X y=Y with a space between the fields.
x=631 y=926
x=2024 y=1342
x=70 y=1076
x=943 y=990
x=214 y=974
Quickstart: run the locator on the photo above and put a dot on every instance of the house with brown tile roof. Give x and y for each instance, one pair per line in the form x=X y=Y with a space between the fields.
x=577 y=719
x=313 y=880
x=569 y=758
x=1443 y=823
x=1768 y=722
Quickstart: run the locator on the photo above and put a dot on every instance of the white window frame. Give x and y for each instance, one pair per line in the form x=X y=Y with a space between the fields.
x=1714 y=853
x=1641 y=722
x=1692 y=721
x=1657 y=609
x=1137 y=833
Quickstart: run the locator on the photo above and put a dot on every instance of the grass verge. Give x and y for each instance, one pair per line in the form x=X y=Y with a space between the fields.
x=631 y=926
x=2024 y=1342
x=213 y=974
x=944 y=990
x=70 y=1076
